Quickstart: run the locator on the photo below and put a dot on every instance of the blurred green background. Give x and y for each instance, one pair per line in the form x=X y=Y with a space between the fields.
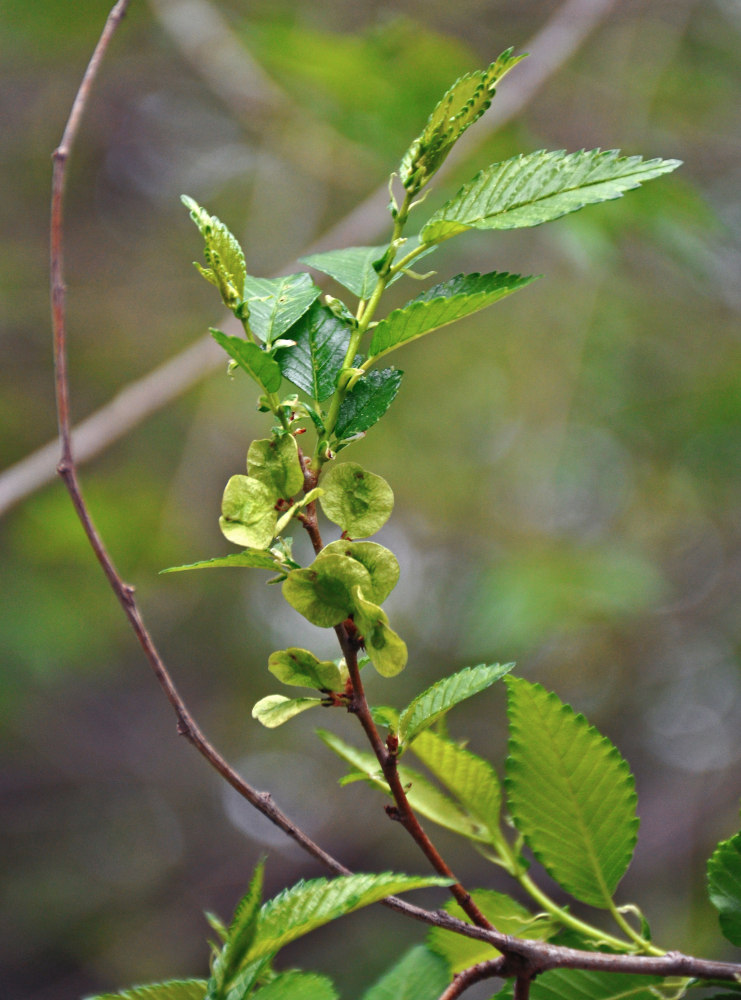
x=567 y=465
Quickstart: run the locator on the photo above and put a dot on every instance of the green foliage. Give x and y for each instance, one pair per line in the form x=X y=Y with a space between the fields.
x=724 y=886
x=570 y=793
x=173 y=989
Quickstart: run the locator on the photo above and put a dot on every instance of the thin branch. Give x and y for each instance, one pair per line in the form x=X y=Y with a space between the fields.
x=549 y=50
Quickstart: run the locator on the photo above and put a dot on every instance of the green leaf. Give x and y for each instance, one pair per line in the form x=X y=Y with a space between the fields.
x=275 y=709
x=462 y=105
x=173 y=989
x=240 y=935
x=533 y=188
x=367 y=402
x=252 y=558
x=387 y=651
x=724 y=886
x=258 y=364
x=570 y=794
x=433 y=703
x=322 y=592
x=418 y=975
x=224 y=256
x=359 y=501
x=308 y=905
x=381 y=563
x=424 y=797
x=275 y=462
x=316 y=359
x=440 y=305
x=275 y=304
x=300 y=668
x=569 y=984
x=248 y=515
x=503 y=912
x=296 y=985
x=471 y=780
x=353 y=267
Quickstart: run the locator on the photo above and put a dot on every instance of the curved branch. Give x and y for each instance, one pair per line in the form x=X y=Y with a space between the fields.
x=550 y=48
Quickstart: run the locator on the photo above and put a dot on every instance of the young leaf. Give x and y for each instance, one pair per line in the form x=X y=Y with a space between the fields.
x=423 y=796
x=226 y=268
x=275 y=709
x=503 y=912
x=296 y=985
x=240 y=935
x=570 y=794
x=316 y=359
x=300 y=668
x=258 y=364
x=253 y=558
x=275 y=462
x=381 y=563
x=724 y=886
x=462 y=105
x=537 y=187
x=433 y=703
x=566 y=984
x=359 y=501
x=354 y=267
x=275 y=304
x=387 y=651
x=440 y=305
x=173 y=989
x=322 y=592
x=367 y=402
x=248 y=515
x=418 y=975
x=471 y=780
x=308 y=905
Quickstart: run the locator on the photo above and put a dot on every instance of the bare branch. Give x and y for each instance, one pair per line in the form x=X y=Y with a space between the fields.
x=550 y=49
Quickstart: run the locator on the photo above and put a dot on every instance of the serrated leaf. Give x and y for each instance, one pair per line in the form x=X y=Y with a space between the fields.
x=463 y=104
x=308 y=905
x=533 y=188
x=296 y=985
x=418 y=975
x=433 y=703
x=502 y=912
x=441 y=305
x=300 y=668
x=570 y=794
x=424 y=797
x=248 y=515
x=275 y=462
x=367 y=402
x=353 y=267
x=569 y=984
x=258 y=364
x=316 y=359
x=250 y=558
x=224 y=256
x=322 y=592
x=173 y=989
x=381 y=563
x=275 y=709
x=359 y=501
x=387 y=650
x=724 y=886
x=240 y=935
x=472 y=780
x=275 y=304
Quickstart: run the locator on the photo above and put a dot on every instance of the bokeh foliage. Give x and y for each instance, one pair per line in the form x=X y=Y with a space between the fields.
x=577 y=507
